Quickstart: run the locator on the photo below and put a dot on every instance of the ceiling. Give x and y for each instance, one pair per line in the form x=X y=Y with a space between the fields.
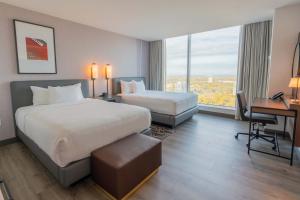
x=156 y=19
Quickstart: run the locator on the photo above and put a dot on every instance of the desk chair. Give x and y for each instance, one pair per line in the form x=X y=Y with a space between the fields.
x=258 y=120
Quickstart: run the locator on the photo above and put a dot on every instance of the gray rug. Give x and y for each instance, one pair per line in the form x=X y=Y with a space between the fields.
x=160 y=132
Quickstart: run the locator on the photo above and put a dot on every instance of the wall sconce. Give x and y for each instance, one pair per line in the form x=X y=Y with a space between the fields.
x=108 y=75
x=94 y=75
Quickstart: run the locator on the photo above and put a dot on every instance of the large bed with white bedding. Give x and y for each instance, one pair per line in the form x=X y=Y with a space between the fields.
x=169 y=108
x=63 y=135
x=68 y=132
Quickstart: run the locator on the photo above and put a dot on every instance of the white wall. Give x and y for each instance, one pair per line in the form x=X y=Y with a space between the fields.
x=286 y=26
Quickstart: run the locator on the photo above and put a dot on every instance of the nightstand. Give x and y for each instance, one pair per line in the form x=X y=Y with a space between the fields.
x=110 y=99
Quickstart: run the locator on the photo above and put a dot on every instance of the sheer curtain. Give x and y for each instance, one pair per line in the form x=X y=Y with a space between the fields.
x=254 y=52
x=156 y=71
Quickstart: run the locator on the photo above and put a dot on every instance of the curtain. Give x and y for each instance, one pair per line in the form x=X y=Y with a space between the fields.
x=254 y=52
x=156 y=71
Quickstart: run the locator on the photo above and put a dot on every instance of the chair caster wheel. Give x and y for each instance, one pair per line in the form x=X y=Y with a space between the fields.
x=236 y=136
x=274 y=148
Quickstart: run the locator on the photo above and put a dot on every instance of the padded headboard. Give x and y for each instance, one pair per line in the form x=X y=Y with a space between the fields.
x=116 y=83
x=21 y=94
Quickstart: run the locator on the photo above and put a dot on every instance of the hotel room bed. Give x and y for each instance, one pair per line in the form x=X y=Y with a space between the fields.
x=62 y=136
x=169 y=108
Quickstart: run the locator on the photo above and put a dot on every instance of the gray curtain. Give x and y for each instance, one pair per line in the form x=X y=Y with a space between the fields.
x=254 y=52
x=156 y=71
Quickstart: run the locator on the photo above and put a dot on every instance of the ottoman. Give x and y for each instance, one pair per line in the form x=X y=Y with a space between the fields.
x=121 y=167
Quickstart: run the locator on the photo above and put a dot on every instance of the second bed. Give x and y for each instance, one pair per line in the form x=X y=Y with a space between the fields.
x=168 y=108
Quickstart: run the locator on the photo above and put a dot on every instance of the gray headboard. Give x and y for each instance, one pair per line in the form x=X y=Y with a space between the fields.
x=21 y=94
x=116 y=83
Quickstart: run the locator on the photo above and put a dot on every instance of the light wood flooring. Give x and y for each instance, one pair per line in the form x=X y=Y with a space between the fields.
x=201 y=160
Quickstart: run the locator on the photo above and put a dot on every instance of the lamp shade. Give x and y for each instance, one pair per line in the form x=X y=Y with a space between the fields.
x=94 y=71
x=108 y=71
x=294 y=82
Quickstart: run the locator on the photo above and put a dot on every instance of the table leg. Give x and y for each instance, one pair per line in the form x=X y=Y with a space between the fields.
x=250 y=122
x=284 y=127
x=293 y=140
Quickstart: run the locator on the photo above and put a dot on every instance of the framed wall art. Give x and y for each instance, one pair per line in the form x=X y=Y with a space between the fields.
x=35 y=45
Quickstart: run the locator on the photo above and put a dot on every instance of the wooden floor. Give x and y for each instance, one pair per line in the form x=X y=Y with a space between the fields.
x=201 y=160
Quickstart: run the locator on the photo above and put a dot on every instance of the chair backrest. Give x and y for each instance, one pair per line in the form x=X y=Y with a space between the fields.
x=242 y=102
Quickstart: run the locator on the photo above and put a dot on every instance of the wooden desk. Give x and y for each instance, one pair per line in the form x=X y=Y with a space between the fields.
x=279 y=108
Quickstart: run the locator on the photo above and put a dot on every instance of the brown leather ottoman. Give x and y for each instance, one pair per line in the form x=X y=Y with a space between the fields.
x=119 y=168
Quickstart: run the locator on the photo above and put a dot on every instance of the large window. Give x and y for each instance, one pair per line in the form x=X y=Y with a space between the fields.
x=176 y=64
x=210 y=65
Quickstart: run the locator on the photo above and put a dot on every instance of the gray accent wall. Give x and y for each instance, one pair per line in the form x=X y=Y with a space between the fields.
x=77 y=46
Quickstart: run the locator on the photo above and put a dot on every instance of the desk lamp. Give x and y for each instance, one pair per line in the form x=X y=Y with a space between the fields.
x=295 y=83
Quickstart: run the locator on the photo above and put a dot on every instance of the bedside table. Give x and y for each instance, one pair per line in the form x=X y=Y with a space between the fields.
x=109 y=99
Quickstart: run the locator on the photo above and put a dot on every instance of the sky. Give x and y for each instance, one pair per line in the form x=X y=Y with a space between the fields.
x=212 y=53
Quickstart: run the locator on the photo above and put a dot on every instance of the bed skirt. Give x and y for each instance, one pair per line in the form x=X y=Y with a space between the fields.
x=173 y=120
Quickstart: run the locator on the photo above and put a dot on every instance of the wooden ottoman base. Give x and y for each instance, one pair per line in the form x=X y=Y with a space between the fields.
x=123 y=166
x=133 y=190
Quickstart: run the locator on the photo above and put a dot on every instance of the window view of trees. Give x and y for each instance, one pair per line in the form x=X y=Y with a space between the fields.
x=176 y=63
x=213 y=66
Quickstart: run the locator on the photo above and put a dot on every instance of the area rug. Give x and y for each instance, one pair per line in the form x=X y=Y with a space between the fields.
x=160 y=132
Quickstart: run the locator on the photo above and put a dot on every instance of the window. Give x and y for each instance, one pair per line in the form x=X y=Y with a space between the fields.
x=176 y=64
x=214 y=57
x=211 y=63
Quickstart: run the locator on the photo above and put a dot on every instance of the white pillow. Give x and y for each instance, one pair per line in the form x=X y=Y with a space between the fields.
x=138 y=86
x=65 y=94
x=126 y=87
x=40 y=95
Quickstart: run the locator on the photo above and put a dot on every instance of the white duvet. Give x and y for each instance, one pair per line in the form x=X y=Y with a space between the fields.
x=70 y=132
x=170 y=103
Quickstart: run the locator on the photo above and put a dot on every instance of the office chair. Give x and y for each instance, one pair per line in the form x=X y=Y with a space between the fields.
x=258 y=120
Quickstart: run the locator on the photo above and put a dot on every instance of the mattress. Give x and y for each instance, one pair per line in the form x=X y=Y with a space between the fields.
x=170 y=103
x=71 y=131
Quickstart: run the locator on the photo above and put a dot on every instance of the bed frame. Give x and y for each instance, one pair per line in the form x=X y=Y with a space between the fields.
x=21 y=96
x=160 y=118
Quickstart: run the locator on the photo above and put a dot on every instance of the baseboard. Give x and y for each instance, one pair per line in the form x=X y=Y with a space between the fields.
x=217 y=114
x=8 y=141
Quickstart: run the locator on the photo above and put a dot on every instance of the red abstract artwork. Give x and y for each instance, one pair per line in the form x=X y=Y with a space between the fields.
x=36 y=49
